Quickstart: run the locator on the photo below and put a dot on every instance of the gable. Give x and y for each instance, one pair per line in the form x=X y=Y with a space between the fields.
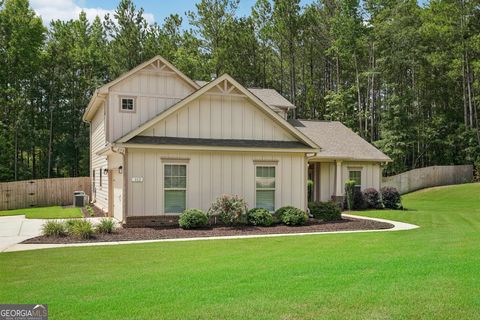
x=222 y=109
x=214 y=116
x=155 y=88
x=155 y=77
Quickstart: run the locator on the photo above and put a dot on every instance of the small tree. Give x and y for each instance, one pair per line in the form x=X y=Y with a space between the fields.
x=350 y=193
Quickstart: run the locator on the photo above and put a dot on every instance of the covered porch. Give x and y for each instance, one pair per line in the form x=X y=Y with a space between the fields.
x=326 y=178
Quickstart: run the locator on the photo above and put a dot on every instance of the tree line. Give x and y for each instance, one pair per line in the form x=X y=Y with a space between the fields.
x=401 y=75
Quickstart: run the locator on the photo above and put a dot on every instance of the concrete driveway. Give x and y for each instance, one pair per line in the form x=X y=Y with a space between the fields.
x=15 y=229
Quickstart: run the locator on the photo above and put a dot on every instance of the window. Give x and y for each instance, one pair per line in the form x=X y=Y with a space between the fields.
x=265 y=187
x=128 y=104
x=356 y=175
x=175 y=187
x=100 y=175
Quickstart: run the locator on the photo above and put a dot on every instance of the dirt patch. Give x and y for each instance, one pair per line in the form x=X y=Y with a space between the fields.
x=128 y=234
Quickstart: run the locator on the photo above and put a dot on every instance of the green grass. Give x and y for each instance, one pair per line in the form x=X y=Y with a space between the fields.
x=55 y=212
x=429 y=273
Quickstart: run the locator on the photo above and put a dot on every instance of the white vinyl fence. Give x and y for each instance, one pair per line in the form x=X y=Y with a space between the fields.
x=429 y=177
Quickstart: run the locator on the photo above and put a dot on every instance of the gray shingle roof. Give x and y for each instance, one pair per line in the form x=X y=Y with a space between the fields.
x=270 y=97
x=338 y=142
x=218 y=142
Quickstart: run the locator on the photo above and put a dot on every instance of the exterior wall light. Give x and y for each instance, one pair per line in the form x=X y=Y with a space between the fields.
x=120 y=169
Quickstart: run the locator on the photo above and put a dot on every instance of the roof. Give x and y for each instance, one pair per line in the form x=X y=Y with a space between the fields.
x=217 y=142
x=225 y=77
x=271 y=97
x=339 y=142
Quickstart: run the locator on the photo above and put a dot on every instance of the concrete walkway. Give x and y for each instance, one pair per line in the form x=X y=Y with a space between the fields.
x=15 y=229
x=16 y=246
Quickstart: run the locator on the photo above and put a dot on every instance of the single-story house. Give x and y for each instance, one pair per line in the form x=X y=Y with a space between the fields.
x=161 y=142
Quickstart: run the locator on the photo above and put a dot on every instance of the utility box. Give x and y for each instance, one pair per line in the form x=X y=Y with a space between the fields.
x=80 y=199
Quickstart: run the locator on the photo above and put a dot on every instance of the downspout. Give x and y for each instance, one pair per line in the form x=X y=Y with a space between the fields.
x=308 y=156
x=123 y=153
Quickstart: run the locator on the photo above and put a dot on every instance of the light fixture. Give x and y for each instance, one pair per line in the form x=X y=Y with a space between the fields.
x=120 y=169
x=105 y=171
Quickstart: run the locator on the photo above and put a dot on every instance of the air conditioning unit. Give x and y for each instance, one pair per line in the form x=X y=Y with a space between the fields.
x=80 y=199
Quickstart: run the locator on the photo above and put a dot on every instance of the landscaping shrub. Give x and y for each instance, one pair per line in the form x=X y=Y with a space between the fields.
x=90 y=210
x=372 y=199
x=259 y=217
x=359 y=202
x=231 y=209
x=81 y=229
x=193 y=218
x=294 y=217
x=391 y=198
x=349 y=193
x=106 y=225
x=326 y=211
x=279 y=213
x=54 y=228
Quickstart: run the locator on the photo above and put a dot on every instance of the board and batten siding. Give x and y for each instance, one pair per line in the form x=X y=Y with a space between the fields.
x=325 y=173
x=153 y=93
x=220 y=117
x=98 y=141
x=209 y=175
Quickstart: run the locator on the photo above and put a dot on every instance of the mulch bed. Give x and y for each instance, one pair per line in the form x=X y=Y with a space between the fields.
x=127 y=234
x=96 y=212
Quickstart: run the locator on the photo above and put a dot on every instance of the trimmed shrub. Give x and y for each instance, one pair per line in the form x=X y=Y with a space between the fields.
x=259 y=217
x=279 y=213
x=231 y=209
x=326 y=211
x=106 y=225
x=294 y=217
x=391 y=198
x=359 y=202
x=54 y=228
x=193 y=218
x=82 y=229
x=372 y=199
x=349 y=193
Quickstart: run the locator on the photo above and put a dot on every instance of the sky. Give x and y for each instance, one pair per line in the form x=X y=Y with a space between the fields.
x=155 y=11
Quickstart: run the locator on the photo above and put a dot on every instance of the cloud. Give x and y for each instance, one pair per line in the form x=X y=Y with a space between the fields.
x=68 y=9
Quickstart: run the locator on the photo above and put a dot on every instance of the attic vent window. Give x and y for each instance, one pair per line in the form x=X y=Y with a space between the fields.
x=127 y=104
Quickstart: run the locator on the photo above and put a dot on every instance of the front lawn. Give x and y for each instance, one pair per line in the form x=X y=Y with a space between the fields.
x=427 y=273
x=55 y=212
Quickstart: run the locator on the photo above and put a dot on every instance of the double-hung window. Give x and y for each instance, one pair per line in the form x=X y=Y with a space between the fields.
x=175 y=187
x=265 y=187
x=356 y=175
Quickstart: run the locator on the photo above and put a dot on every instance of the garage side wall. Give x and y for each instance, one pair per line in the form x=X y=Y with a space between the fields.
x=209 y=175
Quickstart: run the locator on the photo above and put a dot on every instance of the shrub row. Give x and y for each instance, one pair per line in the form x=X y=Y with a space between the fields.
x=232 y=210
x=79 y=228
x=370 y=198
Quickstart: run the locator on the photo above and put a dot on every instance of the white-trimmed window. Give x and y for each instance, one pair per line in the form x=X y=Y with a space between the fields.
x=355 y=175
x=175 y=188
x=127 y=104
x=265 y=187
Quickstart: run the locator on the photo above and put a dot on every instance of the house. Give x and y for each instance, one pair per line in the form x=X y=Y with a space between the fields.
x=161 y=142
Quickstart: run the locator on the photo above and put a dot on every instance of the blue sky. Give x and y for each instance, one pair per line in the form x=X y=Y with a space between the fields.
x=154 y=10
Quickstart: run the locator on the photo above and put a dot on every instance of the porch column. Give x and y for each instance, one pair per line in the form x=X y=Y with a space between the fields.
x=338 y=175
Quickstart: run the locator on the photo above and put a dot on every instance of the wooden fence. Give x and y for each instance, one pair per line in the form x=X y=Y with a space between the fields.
x=429 y=177
x=42 y=192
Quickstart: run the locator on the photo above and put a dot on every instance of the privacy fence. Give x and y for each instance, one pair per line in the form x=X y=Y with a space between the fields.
x=429 y=177
x=43 y=192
